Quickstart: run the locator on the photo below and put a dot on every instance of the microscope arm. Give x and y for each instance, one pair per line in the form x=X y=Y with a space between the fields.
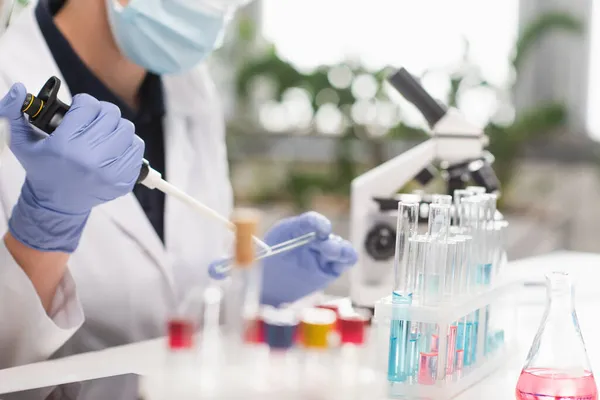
x=386 y=179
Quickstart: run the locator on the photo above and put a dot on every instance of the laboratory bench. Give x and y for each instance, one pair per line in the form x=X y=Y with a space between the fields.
x=139 y=358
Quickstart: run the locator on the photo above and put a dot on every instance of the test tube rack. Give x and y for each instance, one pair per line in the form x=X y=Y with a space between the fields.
x=445 y=386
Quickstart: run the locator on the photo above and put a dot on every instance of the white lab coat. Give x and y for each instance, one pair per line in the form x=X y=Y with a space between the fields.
x=121 y=278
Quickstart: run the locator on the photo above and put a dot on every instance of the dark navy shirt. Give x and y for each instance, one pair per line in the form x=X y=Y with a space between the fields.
x=148 y=119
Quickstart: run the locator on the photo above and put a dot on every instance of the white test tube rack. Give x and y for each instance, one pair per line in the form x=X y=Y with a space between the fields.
x=443 y=316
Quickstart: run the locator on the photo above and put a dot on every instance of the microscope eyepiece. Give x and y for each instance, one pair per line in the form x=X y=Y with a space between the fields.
x=409 y=87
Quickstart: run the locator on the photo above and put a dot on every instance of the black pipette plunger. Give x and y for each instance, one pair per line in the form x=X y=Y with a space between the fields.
x=46 y=112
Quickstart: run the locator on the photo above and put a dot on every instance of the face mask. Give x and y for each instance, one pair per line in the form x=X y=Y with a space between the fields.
x=167 y=36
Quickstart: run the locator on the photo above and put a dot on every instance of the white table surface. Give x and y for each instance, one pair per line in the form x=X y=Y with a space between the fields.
x=139 y=357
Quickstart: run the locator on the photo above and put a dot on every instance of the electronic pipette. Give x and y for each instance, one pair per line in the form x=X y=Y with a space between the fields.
x=46 y=112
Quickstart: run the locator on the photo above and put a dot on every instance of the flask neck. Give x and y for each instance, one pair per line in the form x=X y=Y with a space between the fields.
x=560 y=295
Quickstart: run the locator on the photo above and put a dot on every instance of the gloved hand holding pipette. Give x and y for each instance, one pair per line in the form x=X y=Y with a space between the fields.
x=93 y=157
x=288 y=276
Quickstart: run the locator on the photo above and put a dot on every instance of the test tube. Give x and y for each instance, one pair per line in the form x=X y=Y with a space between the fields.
x=213 y=354
x=441 y=199
x=476 y=190
x=466 y=343
x=473 y=208
x=400 y=327
x=182 y=326
x=243 y=298
x=427 y=368
x=489 y=242
x=404 y=359
x=404 y=282
x=423 y=244
x=408 y=219
x=490 y=266
x=451 y=357
x=433 y=347
x=413 y=351
x=435 y=268
x=462 y=287
x=459 y=195
x=476 y=327
x=452 y=274
x=459 y=278
x=439 y=221
x=501 y=227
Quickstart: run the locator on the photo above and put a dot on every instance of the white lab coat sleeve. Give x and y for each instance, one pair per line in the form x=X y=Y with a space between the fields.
x=27 y=332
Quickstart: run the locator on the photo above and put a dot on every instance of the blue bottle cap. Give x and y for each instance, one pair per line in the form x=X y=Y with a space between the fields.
x=280 y=328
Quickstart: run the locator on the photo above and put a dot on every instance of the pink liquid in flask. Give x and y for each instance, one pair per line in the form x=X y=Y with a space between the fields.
x=548 y=384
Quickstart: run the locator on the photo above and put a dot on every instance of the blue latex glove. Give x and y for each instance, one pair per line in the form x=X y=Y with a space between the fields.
x=292 y=275
x=93 y=157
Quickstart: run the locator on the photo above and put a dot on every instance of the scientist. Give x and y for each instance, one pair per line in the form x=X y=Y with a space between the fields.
x=89 y=260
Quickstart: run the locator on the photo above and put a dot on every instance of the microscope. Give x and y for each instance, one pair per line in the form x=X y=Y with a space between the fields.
x=455 y=150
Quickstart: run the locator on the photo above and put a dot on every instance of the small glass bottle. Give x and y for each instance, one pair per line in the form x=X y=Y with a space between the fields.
x=177 y=377
x=557 y=366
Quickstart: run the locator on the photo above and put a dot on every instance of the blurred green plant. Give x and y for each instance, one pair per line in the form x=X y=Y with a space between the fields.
x=285 y=77
x=506 y=141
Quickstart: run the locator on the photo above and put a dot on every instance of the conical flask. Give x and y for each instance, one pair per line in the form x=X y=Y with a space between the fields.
x=557 y=366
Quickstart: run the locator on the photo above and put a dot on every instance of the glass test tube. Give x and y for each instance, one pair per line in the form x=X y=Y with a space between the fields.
x=441 y=199
x=435 y=268
x=451 y=357
x=467 y=329
x=473 y=208
x=453 y=287
x=243 y=298
x=491 y=241
x=451 y=272
x=462 y=287
x=501 y=228
x=404 y=283
x=459 y=212
x=400 y=328
x=213 y=354
x=476 y=190
x=420 y=338
x=407 y=226
x=459 y=276
x=423 y=243
x=427 y=368
x=434 y=275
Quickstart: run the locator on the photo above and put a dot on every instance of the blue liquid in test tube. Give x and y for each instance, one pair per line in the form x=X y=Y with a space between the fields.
x=404 y=284
x=398 y=360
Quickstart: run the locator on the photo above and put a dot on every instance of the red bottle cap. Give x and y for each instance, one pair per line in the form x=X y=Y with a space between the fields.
x=181 y=334
x=255 y=331
x=352 y=329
